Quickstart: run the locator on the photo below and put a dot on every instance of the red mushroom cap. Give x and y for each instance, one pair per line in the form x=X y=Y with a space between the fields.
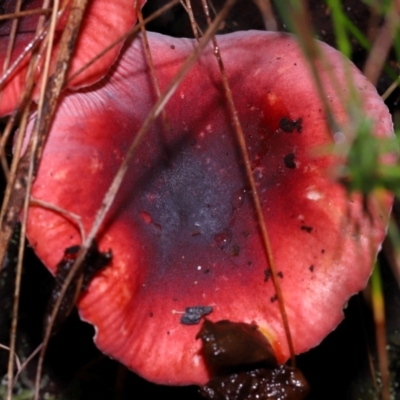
x=183 y=230
x=104 y=22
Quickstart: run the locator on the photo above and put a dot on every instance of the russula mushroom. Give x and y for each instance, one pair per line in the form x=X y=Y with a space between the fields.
x=182 y=229
x=113 y=17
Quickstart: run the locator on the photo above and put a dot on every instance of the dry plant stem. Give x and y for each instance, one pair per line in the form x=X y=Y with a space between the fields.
x=211 y=5
x=21 y=14
x=75 y=218
x=46 y=68
x=29 y=84
x=11 y=40
x=149 y=58
x=193 y=23
x=380 y=331
x=26 y=191
x=10 y=47
x=14 y=320
x=112 y=191
x=23 y=105
x=254 y=193
x=30 y=47
x=40 y=35
x=11 y=178
x=391 y=89
x=56 y=81
x=150 y=62
x=17 y=361
x=130 y=34
x=14 y=323
x=12 y=208
x=15 y=190
x=12 y=202
x=197 y=27
x=3 y=141
x=267 y=12
x=41 y=31
x=21 y=366
x=382 y=45
x=26 y=362
x=52 y=93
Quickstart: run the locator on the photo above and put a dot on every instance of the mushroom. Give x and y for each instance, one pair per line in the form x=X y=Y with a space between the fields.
x=113 y=17
x=182 y=229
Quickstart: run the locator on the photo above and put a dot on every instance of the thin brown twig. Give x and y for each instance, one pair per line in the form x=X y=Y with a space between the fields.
x=21 y=365
x=14 y=319
x=52 y=93
x=40 y=37
x=15 y=190
x=21 y=14
x=11 y=41
x=26 y=362
x=267 y=12
x=150 y=62
x=17 y=361
x=254 y=192
x=187 y=5
x=14 y=194
x=75 y=218
x=14 y=322
x=378 y=308
x=29 y=182
x=10 y=46
x=130 y=34
x=381 y=46
x=21 y=104
x=391 y=89
x=34 y=43
x=3 y=142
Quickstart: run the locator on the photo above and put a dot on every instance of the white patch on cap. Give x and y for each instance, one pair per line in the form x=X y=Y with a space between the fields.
x=95 y=163
x=196 y=360
x=313 y=195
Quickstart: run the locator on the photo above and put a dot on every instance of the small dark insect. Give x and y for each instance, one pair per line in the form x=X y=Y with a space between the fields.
x=306 y=228
x=267 y=274
x=94 y=262
x=289 y=126
x=193 y=315
x=289 y=161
